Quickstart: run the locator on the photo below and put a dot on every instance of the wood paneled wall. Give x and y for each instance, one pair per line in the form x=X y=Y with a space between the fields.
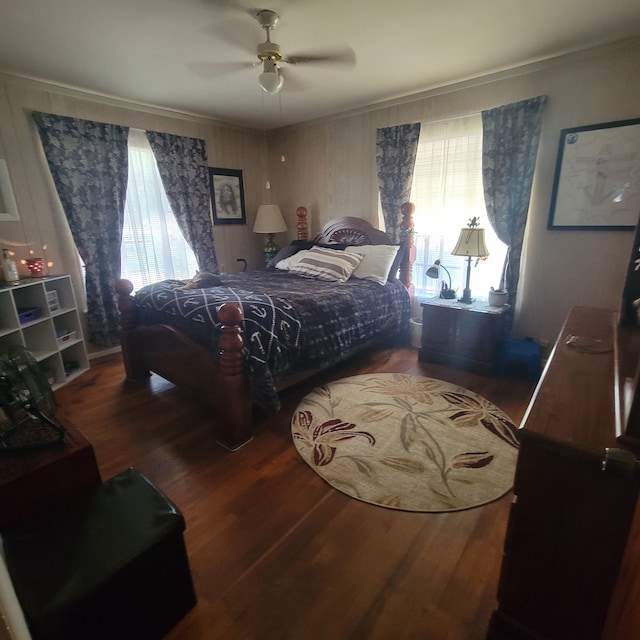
x=42 y=221
x=330 y=167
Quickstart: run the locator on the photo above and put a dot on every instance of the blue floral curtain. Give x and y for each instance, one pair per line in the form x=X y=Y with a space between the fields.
x=396 y=149
x=182 y=163
x=510 y=138
x=89 y=164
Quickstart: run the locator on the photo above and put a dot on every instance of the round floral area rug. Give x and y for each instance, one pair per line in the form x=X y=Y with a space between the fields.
x=407 y=442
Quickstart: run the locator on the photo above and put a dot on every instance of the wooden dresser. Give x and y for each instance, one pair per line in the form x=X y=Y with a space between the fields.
x=569 y=560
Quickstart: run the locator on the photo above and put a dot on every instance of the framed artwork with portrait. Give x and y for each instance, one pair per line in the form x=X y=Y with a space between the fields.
x=227 y=196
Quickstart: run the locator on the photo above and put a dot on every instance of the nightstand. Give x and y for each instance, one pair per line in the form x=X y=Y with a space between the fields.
x=462 y=335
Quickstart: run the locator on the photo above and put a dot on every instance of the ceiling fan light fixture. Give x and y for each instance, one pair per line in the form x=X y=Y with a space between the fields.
x=270 y=80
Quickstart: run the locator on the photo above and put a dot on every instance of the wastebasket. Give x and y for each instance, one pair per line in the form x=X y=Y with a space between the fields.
x=415 y=330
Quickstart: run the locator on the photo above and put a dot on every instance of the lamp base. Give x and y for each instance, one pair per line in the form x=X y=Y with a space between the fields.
x=466 y=297
x=270 y=249
x=448 y=294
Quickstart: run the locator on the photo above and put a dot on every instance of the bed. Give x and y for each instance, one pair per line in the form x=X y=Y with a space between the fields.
x=240 y=342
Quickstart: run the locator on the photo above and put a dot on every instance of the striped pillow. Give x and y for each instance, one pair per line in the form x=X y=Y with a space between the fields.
x=327 y=264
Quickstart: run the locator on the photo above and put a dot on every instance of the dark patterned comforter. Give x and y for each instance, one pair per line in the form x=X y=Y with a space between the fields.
x=290 y=323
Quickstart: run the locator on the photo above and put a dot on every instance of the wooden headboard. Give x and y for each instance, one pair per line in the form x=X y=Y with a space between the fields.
x=351 y=230
x=357 y=231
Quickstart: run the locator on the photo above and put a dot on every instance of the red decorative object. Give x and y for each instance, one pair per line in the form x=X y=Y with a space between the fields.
x=36 y=267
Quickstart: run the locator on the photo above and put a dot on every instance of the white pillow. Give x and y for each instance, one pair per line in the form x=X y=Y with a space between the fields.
x=377 y=262
x=287 y=263
x=327 y=264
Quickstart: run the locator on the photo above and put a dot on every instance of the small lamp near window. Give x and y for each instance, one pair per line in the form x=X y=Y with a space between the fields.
x=269 y=220
x=470 y=244
x=434 y=272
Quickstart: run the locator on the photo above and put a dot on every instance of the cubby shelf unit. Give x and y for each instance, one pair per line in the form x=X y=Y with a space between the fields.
x=41 y=315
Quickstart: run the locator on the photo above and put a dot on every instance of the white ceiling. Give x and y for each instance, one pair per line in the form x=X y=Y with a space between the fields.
x=169 y=53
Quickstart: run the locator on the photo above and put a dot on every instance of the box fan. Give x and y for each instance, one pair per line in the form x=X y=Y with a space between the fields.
x=27 y=403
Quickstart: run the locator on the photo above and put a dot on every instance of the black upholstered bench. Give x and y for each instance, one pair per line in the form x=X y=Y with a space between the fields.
x=112 y=564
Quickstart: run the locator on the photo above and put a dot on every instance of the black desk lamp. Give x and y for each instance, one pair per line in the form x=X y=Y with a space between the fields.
x=434 y=272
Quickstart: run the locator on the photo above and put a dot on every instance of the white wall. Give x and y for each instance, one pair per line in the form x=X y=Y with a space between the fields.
x=330 y=168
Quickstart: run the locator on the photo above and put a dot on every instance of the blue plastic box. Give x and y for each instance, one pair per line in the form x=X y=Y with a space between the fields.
x=28 y=314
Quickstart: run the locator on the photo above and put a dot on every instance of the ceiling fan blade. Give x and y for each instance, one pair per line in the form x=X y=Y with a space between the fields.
x=208 y=70
x=293 y=83
x=345 y=56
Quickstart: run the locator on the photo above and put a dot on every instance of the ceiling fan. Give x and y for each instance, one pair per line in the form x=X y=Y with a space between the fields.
x=270 y=55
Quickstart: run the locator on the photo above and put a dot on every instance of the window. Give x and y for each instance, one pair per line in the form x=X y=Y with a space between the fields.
x=447 y=191
x=153 y=247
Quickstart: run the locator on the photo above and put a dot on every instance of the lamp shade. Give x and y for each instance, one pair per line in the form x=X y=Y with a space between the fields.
x=269 y=219
x=471 y=243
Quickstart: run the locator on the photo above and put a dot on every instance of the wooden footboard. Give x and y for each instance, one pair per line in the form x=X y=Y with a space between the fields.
x=168 y=352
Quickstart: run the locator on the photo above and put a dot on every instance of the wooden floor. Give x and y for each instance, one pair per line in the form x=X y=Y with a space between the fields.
x=277 y=553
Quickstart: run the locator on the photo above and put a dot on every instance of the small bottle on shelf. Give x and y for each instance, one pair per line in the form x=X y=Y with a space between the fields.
x=9 y=268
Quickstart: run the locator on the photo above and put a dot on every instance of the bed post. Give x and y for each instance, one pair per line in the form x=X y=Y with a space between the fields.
x=303 y=224
x=235 y=406
x=134 y=369
x=407 y=234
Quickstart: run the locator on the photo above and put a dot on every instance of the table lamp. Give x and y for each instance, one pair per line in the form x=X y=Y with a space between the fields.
x=434 y=272
x=269 y=220
x=470 y=244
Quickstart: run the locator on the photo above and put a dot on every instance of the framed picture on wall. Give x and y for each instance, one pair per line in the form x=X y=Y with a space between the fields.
x=227 y=196
x=8 y=207
x=597 y=180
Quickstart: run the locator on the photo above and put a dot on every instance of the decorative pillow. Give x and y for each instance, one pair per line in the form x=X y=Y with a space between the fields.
x=285 y=252
x=287 y=263
x=326 y=264
x=294 y=247
x=377 y=261
x=288 y=251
